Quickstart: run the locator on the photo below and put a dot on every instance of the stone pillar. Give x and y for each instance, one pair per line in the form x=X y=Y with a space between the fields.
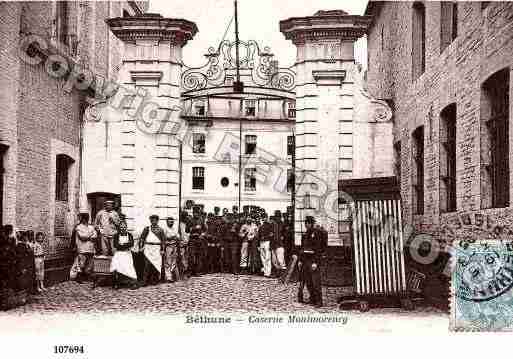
x=151 y=68
x=324 y=112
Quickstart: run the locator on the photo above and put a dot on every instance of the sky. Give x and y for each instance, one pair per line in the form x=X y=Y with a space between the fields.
x=258 y=20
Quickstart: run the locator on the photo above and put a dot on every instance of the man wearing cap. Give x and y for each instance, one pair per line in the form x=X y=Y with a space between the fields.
x=277 y=243
x=170 y=250
x=107 y=223
x=247 y=234
x=265 y=233
x=152 y=242
x=313 y=245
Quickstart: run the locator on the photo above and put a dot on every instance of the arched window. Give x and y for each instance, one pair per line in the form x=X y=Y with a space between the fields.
x=418 y=40
x=63 y=164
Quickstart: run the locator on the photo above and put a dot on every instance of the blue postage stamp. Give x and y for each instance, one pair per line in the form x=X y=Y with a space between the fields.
x=482 y=282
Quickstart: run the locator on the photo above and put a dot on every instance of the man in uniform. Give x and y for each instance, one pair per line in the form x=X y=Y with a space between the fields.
x=277 y=243
x=313 y=245
x=107 y=223
x=265 y=233
x=171 y=250
x=213 y=250
x=197 y=247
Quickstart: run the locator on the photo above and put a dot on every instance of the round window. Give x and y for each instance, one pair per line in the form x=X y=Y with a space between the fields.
x=225 y=181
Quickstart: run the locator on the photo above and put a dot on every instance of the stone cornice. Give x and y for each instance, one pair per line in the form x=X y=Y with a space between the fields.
x=325 y=26
x=153 y=27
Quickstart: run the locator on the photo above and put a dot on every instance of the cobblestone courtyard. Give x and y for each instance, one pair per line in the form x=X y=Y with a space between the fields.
x=208 y=293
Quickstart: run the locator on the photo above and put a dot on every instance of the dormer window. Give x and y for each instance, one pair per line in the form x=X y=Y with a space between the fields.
x=229 y=81
x=199 y=108
x=291 y=109
x=250 y=108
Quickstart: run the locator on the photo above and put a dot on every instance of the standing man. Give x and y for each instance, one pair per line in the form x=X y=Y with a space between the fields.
x=247 y=234
x=184 y=244
x=278 y=252
x=152 y=241
x=313 y=246
x=171 y=250
x=197 y=246
x=265 y=233
x=84 y=236
x=107 y=223
x=288 y=237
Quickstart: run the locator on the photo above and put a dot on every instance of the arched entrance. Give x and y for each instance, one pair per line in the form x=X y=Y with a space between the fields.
x=240 y=115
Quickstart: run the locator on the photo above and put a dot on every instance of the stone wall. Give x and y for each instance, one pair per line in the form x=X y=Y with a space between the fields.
x=484 y=45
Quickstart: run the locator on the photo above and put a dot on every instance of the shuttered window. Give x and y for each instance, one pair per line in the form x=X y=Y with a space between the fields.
x=250 y=179
x=251 y=143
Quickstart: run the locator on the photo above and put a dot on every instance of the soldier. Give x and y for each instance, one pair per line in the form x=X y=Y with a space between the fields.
x=171 y=250
x=288 y=237
x=213 y=250
x=265 y=233
x=277 y=245
x=197 y=247
x=313 y=245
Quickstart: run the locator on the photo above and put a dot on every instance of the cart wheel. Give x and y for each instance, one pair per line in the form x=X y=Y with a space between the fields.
x=363 y=306
x=407 y=304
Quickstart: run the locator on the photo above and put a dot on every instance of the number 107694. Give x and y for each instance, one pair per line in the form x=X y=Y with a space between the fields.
x=68 y=349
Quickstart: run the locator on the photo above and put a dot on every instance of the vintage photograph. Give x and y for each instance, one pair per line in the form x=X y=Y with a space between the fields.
x=335 y=163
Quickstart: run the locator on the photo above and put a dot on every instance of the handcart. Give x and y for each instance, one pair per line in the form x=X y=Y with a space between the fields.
x=101 y=270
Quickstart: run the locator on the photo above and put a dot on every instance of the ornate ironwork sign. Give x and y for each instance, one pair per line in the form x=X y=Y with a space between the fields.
x=258 y=68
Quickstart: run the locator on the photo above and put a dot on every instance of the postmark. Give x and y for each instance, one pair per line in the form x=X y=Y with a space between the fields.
x=482 y=283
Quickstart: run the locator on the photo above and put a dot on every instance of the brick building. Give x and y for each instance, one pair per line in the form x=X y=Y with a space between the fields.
x=446 y=68
x=40 y=120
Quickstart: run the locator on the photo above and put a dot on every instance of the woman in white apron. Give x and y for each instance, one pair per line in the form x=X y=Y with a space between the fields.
x=122 y=265
x=152 y=241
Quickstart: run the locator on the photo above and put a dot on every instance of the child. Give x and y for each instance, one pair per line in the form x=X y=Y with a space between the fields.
x=39 y=259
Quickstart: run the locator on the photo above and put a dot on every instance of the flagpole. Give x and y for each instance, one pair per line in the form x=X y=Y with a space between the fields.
x=238 y=89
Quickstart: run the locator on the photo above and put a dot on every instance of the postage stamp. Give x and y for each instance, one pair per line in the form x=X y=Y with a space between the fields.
x=482 y=281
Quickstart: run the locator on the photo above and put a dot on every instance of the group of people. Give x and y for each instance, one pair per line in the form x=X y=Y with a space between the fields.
x=21 y=260
x=250 y=242
x=227 y=242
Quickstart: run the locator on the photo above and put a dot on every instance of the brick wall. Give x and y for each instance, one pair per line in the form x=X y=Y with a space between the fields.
x=483 y=46
x=39 y=119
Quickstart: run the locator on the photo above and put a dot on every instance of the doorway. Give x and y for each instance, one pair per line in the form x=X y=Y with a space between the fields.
x=97 y=201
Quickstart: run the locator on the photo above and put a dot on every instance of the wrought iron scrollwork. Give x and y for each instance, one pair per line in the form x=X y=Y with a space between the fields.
x=258 y=64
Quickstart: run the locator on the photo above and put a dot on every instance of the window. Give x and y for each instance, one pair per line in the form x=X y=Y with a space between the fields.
x=198 y=143
x=61 y=21
x=495 y=140
x=290 y=180
x=418 y=170
x=250 y=179
x=251 y=142
x=3 y=152
x=198 y=178
x=418 y=40
x=250 y=107
x=63 y=164
x=397 y=160
x=199 y=108
x=448 y=159
x=448 y=23
x=291 y=145
x=291 y=109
